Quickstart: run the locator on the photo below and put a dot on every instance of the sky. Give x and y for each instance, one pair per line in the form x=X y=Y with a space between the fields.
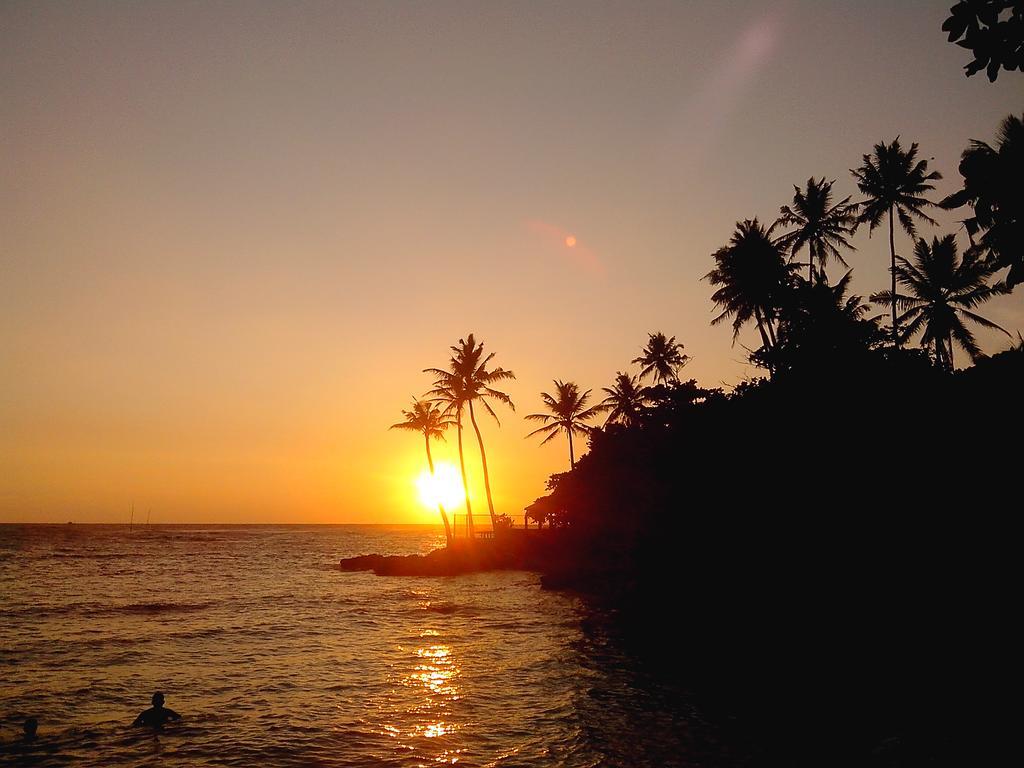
x=233 y=234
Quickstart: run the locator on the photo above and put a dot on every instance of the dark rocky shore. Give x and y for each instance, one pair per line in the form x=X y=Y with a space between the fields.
x=519 y=550
x=450 y=561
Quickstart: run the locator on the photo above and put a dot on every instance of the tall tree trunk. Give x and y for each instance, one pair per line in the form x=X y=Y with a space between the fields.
x=572 y=458
x=760 y=327
x=770 y=327
x=765 y=342
x=483 y=460
x=771 y=331
x=892 y=255
x=440 y=506
x=470 y=531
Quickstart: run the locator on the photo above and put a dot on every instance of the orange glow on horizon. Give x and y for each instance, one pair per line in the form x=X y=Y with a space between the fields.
x=214 y=307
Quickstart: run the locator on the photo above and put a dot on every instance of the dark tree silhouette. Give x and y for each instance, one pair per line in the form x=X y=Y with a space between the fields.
x=753 y=276
x=818 y=224
x=993 y=180
x=894 y=182
x=429 y=421
x=568 y=412
x=867 y=585
x=942 y=291
x=625 y=401
x=993 y=30
x=661 y=358
x=468 y=366
x=822 y=331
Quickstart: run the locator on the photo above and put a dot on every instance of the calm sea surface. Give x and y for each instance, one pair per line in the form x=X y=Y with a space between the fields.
x=275 y=657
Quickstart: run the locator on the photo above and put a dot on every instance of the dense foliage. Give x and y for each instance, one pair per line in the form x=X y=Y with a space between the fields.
x=833 y=542
x=992 y=30
x=993 y=180
x=841 y=593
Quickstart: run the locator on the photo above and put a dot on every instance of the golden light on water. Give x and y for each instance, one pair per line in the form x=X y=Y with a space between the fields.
x=443 y=487
x=436 y=671
x=429 y=686
x=420 y=701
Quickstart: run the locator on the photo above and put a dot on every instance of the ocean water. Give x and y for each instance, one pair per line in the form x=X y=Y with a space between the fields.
x=273 y=656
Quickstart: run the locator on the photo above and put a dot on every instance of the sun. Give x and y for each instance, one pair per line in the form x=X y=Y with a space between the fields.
x=443 y=487
x=570 y=241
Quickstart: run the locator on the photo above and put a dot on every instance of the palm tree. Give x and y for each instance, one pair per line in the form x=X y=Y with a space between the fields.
x=894 y=182
x=626 y=399
x=818 y=224
x=568 y=412
x=943 y=289
x=753 y=277
x=468 y=366
x=448 y=391
x=993 y=178
x=662 y=358
x=430 y=422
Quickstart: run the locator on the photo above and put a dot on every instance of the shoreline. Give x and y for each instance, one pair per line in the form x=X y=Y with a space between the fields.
x=520 y=551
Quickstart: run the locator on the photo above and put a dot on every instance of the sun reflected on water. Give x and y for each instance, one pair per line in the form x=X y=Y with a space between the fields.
x=424 y=689
x=437 y=729
x=436 y=672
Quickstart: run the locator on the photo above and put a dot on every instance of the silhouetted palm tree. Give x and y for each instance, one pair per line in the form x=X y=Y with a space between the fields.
x=993 y=179
x=753 y=277
x=568 y=412
x=469 y=366
x=942 y=291
x=818 y=224
x=625 y=401
x=430 y=422
x=894 y=181
x=449 y=391
x=662 y=358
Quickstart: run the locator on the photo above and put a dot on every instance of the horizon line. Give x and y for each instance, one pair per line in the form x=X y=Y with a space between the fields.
x=166 y=524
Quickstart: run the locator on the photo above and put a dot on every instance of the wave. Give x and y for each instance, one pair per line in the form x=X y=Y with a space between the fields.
x=448 y=608
x=65 y=554
x=52 y=610
x=151 y=608
x=100 y=609
x=193 y=634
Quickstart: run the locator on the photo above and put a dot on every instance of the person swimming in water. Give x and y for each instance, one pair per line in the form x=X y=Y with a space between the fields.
x=29 y=729
x=156 y=715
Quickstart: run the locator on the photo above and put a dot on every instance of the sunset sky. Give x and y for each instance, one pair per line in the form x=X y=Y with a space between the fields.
x=232 y=234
